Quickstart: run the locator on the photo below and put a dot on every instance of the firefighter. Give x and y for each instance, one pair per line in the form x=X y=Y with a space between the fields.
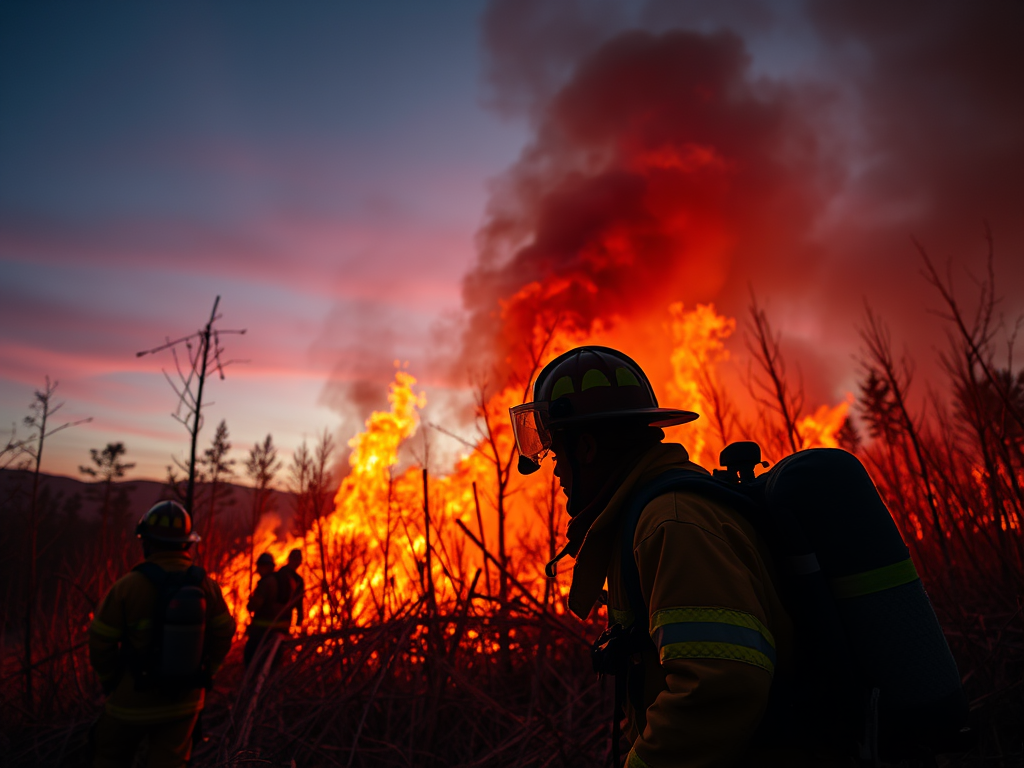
x=292 y=586
x=716 y=635
x=127 y=647
x=268 y=613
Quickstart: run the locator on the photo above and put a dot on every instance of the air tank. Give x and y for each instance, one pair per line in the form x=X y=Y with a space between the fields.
x=892 y=633
x=181 y=654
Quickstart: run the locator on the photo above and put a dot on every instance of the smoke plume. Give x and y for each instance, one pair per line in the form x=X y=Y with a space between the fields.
x=665 y=165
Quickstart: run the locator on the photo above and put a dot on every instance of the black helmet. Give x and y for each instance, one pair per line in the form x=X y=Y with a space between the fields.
x=265 y=559
x=586 y=384
x=169 y=522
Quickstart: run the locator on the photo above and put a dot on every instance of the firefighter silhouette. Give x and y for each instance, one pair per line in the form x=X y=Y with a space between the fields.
x=768 y=621
x=269 y=614
x=157 y=639
x=292 y=589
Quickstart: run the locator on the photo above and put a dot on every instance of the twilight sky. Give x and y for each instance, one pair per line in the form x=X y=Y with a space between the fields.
x=364 y=182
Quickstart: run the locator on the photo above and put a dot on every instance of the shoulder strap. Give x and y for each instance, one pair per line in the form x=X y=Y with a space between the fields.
x=153 y=572
x=194 y=576
x=672 y=480
x=638 y=635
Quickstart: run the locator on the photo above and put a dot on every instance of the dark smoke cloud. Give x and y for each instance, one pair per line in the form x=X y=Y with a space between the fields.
x=942 y=147
x=658 y=171
x=664 y=166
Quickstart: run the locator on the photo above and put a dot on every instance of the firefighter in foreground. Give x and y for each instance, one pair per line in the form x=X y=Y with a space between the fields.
x=709 y=674
x=158 y=637
x=704 y=575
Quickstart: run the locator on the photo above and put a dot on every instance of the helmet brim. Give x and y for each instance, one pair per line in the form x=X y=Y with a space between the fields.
x=653 y=417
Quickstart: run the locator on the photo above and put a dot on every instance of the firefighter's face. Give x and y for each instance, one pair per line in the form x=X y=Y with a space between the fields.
x=584 y=448
x=264 y=569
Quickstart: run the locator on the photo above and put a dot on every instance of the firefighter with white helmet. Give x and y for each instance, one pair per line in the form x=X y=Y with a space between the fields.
x=157 y=638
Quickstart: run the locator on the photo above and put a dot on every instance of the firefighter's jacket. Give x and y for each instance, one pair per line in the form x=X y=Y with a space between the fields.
x=719 y=629
x=266 y=610
x=126 y=615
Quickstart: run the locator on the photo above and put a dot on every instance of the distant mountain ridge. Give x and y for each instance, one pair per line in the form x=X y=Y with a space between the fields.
x=233 y=512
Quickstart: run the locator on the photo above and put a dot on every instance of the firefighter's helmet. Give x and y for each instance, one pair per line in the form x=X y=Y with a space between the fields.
x=584 y=385
x=265 y=559
x=168 y=522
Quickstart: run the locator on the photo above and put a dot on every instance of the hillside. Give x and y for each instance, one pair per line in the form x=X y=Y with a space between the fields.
x=67 y=496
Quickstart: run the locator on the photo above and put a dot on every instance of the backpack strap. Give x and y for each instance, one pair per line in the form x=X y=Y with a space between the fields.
x=154 y=573
x=194 y=576
x=672 y=480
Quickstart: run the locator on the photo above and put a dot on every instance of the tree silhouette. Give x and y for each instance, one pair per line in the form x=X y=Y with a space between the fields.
x=41 y=411
x=216 y=468
x=261 y=466
x=204 y=357
x=108 y=468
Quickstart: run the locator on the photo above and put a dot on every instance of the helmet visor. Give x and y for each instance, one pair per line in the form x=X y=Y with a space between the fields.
x=529 y=425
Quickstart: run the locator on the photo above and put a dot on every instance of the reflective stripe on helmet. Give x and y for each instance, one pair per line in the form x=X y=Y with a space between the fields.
x=167 y=521
x=626 y=378
x=562 y=387
x=594 y=378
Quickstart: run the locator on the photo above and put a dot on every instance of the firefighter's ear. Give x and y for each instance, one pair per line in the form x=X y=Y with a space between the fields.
x=586 y=448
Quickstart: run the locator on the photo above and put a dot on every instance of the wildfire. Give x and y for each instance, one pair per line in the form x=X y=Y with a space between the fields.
x=367 y=560
x=698 y=340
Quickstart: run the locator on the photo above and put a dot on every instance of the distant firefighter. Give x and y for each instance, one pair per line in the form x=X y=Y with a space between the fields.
x=265 y=607
x=157 y=639
x=291 y=588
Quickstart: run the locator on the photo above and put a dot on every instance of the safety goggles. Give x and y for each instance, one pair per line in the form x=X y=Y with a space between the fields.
x=530 y=427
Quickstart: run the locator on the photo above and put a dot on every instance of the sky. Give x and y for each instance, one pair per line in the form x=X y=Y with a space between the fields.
x=363 y=183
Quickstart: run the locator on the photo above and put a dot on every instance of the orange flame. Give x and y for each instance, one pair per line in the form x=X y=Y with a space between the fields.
x=367 y=560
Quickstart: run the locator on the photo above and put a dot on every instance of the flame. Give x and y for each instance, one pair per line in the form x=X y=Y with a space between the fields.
x=820 y=429
x=698 y=339
x=367 y=560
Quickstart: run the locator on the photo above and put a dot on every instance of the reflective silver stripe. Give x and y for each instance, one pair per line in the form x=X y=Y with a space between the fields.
x=802 y=565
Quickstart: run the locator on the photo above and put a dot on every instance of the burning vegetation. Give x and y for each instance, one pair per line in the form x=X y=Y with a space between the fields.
x=431 y=636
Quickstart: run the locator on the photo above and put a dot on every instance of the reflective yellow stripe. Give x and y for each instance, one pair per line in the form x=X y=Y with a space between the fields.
x=869 y=582
x=562 y=387
x=726 y=651
x=105 y=630
x=713 y=633
x=715 y=615
x=625 y=618
x=155 y=714
x=222 y=620
x=633 y=760
x=594 y=378
x=626 y=378
x=141 y=625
